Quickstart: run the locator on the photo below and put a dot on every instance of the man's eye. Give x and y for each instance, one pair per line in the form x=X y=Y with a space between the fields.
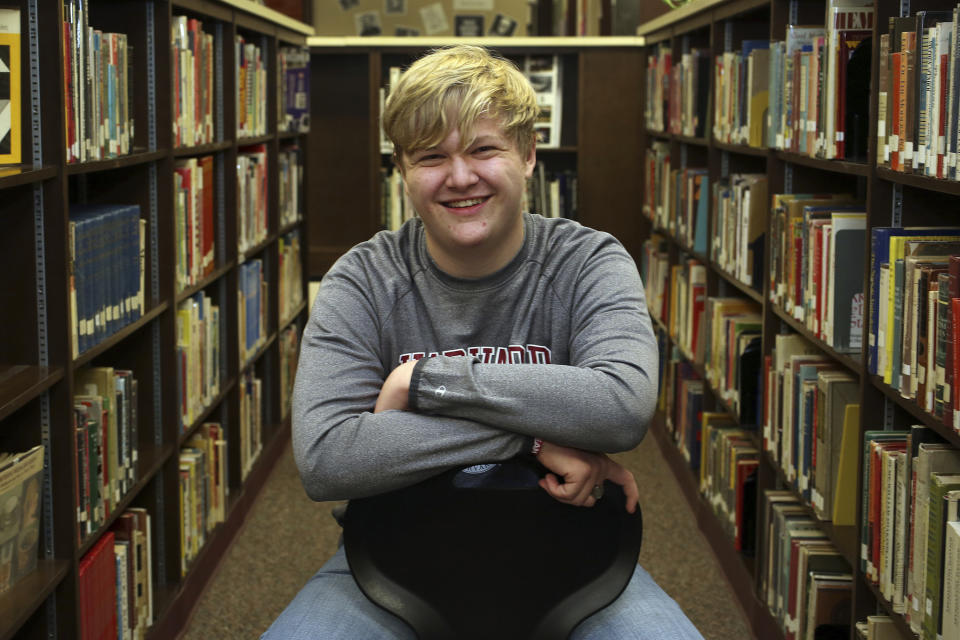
x=486 y=149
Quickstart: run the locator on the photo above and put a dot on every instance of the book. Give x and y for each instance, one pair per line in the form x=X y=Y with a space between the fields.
x=941 y=485
x=21 y=475
x=951 y=582
x=11 y=125
x=845 y=486
x=931 y=458
x=836 y=391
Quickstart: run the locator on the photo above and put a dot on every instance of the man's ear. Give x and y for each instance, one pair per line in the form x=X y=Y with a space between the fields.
x=531 y=160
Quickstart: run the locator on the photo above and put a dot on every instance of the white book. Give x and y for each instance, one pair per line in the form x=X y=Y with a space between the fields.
x=951 y=582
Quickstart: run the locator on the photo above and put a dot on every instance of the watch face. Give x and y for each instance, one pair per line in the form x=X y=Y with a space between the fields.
x=478 y=469
x=506 y=475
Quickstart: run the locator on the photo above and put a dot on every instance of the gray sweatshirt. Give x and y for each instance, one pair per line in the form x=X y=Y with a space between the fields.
x=556 y=345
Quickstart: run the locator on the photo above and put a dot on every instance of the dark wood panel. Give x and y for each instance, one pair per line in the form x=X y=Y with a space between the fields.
x=341 y=178
x=609 y=157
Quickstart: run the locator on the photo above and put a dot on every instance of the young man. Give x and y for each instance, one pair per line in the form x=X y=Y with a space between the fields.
x=474 y=334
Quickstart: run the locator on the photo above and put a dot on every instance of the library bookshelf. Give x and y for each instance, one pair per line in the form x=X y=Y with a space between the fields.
x=47 y=355
x=600 y=102
x=889 y=198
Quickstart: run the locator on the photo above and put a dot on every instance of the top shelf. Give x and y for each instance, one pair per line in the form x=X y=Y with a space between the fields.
x=256 y=10
x=695 y=8
x=551 y=43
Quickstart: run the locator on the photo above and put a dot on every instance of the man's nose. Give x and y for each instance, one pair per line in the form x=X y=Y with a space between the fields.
x=462 y=173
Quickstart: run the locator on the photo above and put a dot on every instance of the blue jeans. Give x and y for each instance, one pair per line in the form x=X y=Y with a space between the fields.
x=331 y=606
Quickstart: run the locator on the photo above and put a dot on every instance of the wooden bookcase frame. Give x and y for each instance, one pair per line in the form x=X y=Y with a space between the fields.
x=892 y=199
x=37 y=370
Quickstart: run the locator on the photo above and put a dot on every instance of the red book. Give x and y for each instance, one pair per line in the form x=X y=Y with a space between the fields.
x=942 y=117
x=896 y=67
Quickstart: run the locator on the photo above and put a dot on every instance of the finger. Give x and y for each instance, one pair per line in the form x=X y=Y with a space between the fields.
x=553 y=487
x=622 y=476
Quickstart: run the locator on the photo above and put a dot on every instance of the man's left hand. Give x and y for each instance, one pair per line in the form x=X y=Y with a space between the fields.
x=396 y=389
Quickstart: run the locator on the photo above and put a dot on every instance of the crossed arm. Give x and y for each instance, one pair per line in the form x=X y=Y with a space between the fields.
x=580 y=470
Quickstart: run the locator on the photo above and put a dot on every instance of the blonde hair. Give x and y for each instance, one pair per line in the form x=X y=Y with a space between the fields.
x=462 y=83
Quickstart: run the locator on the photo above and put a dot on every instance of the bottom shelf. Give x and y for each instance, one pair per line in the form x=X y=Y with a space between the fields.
x=737 y=569
x=177 y=605
x=29 y=593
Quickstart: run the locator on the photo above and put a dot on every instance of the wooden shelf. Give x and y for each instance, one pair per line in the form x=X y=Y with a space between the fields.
x=836 y=166
x=17 y=175
x=742 y=149
x=202 y=149
x=850 y=361
x=20 y=384
x=29 y=594
x=138 y=157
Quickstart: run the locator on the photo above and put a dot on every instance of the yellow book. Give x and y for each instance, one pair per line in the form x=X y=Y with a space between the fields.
x=845 y=488
x=10 y=125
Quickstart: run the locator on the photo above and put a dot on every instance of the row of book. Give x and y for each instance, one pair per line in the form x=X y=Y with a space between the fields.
x=106 y=244
x=250 y=77
x=677 y=95
x=290 y=184
x=98 y=85
x=738 y=206
x=552 y=194
x=252 y=305
x=728 y=464
x=203 y=489
x=728 y=364
x=919 y=103
x=910 y=526
x=915 y=299
x=193 y=68
x=810 y=416
x=251 y=420
x=21 y=475
x=293 y=92
x=676 y=198
x=290 y=285
x=803 y=578
x=739 y=216
x=720 y=334
x=199 y=356
x=115 y=580
x=805 y=93
x=817 y=250
x=395 y=209
x=106 y=436
x=252 y=226
x=193 y=209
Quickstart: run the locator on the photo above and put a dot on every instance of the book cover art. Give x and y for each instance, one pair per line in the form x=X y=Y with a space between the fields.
x=20 y=479
x=10 y=125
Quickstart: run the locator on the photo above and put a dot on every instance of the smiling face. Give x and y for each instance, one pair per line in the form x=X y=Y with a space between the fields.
x=468 y=194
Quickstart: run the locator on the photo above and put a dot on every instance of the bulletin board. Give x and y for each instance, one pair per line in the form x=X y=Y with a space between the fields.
x=467 y=18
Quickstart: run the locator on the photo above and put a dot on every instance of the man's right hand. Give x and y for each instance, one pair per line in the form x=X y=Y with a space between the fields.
x=581 y=471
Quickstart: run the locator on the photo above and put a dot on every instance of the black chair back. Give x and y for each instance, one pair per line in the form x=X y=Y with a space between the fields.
x=458 y=559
